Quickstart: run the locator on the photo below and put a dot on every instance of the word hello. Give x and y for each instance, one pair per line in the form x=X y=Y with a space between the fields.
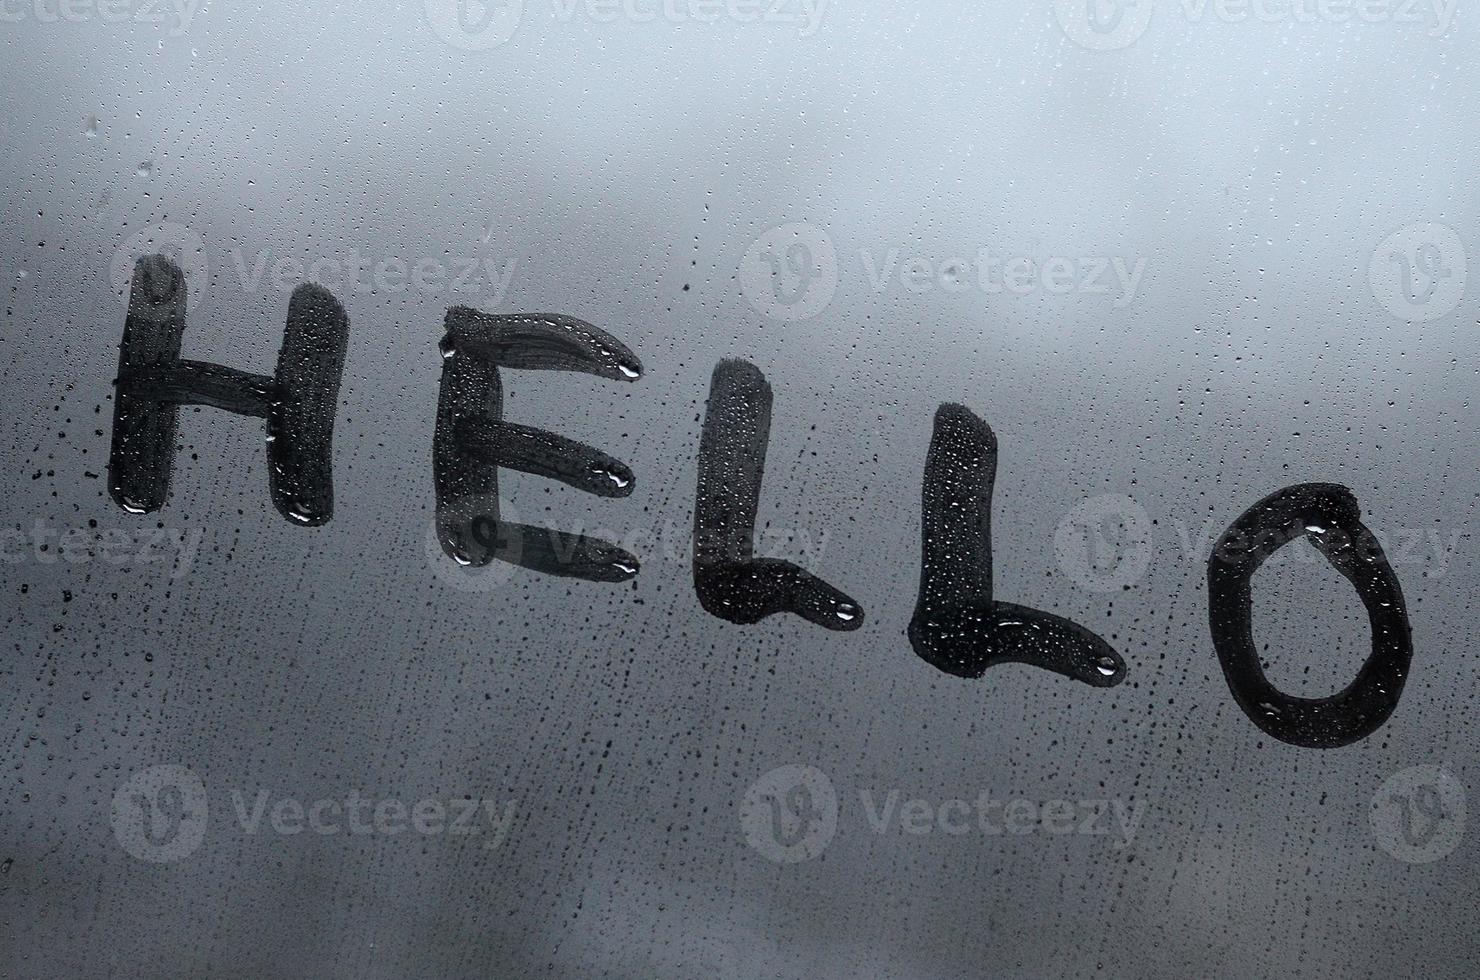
x=958 y=625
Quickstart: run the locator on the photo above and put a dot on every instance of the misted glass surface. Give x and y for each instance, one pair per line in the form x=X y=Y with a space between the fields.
x=318 y=318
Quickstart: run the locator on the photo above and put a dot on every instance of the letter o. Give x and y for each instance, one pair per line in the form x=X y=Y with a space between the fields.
x=1329 y=516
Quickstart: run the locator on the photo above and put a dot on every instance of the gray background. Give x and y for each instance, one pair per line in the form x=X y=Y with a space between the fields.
x=1255 y=166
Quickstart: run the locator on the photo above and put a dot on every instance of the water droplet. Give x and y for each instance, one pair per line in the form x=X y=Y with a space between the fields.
x=298 y=512
x=618 y=479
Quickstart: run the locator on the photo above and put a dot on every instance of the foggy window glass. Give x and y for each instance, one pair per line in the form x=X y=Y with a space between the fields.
x=738 y=488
